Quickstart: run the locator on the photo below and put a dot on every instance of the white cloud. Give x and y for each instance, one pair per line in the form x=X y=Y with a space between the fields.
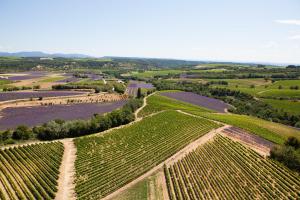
x=289 y=21
x=294 y=37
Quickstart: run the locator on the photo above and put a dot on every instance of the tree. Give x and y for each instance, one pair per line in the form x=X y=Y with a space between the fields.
x=22 y=132
x=5 y=135
x=292 y=141
x=139 y=93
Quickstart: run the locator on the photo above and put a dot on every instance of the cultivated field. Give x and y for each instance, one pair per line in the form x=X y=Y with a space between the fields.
x=223 y=169
x=6 y=96
x=133 y=87
x=107 y=162
x=31 y=116
x=206 y=102
x=157 y=102
x=30 y=172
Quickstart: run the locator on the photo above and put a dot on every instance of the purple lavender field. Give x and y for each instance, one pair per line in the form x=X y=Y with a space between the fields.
x=141 y=85
x=207 y=102
x=29 y=75
x=32 y=116
x=5 y=96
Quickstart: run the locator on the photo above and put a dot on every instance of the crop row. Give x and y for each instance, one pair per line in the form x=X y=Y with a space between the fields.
x=30 y=172
x=108 y=162
x=224 y=169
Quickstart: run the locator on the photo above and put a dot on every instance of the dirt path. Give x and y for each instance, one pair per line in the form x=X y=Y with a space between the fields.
x=217 y=122
x=66 y=186
x=141 y=108
x=177 y=156
x=161 y=182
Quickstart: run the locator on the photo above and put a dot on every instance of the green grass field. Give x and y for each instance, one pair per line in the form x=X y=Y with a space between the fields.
x=286 y=84
x=262 y=88
x=106 y=162
x=151 y=74
x=156 y=103
x=3 y=83
x=279 y=93
x=288 y=106
x=147 y=189
x=271 y=131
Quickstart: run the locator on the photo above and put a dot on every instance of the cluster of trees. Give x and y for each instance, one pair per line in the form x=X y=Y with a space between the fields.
x=288 y=154
x=294 y=87
x=243 y=103
x=217 y=83
x=109 y=87
x=20 y=133
x=15 y=88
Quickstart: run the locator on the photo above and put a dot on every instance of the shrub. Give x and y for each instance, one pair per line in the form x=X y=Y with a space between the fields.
x=293 y=142
x=22 y=132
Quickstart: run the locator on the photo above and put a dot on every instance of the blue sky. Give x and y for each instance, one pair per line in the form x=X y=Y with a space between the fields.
x=231 y=30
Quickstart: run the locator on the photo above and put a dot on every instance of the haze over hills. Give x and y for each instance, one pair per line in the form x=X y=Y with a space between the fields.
x=39 y=54
x=42 y=54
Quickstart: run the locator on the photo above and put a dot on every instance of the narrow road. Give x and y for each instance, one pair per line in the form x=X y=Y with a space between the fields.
x=66 y=186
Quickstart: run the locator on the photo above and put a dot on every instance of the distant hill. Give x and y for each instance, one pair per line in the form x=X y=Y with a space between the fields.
x=42 y=54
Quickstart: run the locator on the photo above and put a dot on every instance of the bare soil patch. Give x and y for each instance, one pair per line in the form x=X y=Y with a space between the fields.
x=255 y=142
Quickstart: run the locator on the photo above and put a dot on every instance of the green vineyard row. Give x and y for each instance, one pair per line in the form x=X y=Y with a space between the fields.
x=106 y=163
x=224 y=169
x=31 y=171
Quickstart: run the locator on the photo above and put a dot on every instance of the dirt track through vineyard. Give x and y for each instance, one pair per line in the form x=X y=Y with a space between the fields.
x=179 y=155
x=66 y=186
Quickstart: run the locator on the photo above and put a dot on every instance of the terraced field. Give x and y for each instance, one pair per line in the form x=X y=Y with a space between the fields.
x=30 y=172
x=223 y=169
x=107 y=162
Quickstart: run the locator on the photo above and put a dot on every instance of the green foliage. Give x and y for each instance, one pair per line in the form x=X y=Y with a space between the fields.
x=293 y=142
x=286 y=155
x=107 y=162
x=22 y=133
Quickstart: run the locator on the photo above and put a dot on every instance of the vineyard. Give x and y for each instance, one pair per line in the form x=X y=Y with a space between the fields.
x=107 y=162
x=30 y=172
x=227 y=170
